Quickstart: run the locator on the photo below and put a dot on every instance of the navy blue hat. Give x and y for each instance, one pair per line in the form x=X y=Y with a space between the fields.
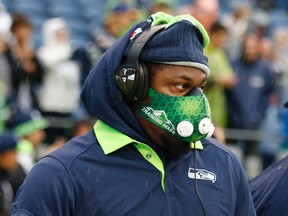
x=25 y=123
x=181 y=42
x=121 y=7
x=7 y=141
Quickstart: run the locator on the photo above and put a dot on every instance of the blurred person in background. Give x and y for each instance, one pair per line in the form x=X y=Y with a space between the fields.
x=29 y=127
x=58 y=95
x=12 y=174
x=248 y=99
x=237 y=22
x=26 y=68
x=206 y=11
x=269 y=189
x=280 y=66
x=222 y=77
x=4 y=108
x=81 y=127
x=6 y=68
x=165 y=6
x=5 y=81
x=259 y=23
x=272 y=123
x=116 y=22
x=279 y=59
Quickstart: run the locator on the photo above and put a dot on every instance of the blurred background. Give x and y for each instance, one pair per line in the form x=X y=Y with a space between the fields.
x=48 y=47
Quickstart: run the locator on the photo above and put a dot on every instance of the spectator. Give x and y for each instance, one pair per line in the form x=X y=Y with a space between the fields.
x=279 y=63
x=206 y=11
x=117 y=20
x=248 y=99
x=12 y=174
x=162 y=5
x=259 y=23
x=222 y=77
x=279 y=59
x=26 y=68
x=237 y=21
x=81 y=127
x=30 y=128
x=272 y=123
x=4 y=108
x=59 y=94
x=6 y=70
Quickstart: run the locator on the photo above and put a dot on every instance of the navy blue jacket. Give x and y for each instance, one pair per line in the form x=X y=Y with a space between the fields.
x=114 y=170
x=269 y=190
x=248 y=100
x=79 y=179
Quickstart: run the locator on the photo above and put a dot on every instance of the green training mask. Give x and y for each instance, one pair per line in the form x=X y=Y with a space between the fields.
x=187 y=118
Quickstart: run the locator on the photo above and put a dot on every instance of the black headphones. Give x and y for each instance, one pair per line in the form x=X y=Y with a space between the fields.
x=132 y=76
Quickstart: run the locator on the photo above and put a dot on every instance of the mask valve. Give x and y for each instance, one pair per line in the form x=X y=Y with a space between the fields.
x=185 y=128
x=206 y=127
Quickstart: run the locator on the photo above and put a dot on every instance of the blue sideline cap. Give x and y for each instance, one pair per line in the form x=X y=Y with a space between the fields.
x=23 y=124
x=7 y=141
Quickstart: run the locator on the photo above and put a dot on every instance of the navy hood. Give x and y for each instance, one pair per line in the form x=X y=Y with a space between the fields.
x=101 y=95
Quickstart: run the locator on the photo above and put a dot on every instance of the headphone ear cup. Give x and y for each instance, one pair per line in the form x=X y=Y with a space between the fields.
x=132 y=76
x=133 y=81
x=125 y=79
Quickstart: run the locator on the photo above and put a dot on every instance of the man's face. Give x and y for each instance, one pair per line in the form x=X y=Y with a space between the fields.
x=177 y=80
x=8 y=160
x=173 y=81
x=251 y=48
x=219 y=38
x=23 y=33
x=36 y=137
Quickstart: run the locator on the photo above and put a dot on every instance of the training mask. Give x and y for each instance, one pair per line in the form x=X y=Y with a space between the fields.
x=187 y=118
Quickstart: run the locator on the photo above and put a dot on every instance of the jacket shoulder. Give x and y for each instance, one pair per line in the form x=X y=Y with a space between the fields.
x=74 y=148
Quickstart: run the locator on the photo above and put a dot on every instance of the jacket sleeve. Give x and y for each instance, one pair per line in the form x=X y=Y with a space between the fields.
x=37 y=196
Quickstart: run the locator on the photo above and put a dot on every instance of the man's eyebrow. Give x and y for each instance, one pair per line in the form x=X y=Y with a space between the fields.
x=204 y=81
x=185 y=78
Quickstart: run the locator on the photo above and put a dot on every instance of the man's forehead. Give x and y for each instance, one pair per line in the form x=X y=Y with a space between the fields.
x=182 y=72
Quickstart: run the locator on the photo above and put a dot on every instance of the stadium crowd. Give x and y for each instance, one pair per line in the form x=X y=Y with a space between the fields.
x=40 y=80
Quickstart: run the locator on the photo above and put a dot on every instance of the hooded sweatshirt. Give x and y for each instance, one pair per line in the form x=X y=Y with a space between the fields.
x=61 y=85
x=114 y=170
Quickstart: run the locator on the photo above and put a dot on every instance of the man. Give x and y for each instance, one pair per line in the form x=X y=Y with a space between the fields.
x=222 y=77
x=248 y=99
x=27 y=71
x=269 y=189
x=30 y=128
x=146 y=154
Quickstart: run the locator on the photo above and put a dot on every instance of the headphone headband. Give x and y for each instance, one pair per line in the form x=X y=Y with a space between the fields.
x=140 y=42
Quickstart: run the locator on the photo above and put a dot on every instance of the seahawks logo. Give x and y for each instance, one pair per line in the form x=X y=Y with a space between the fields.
x=201 y=174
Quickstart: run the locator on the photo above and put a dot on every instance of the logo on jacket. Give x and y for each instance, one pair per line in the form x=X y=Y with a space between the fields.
x=201 y=174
